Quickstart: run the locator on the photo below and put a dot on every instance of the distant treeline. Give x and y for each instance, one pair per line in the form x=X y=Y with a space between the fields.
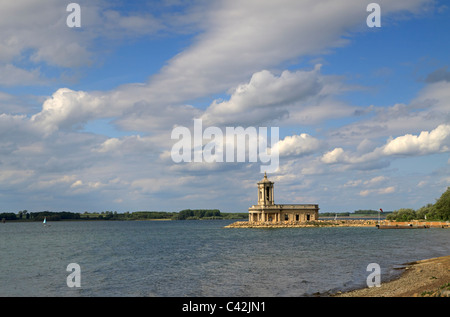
x=187 y=214
x=198 y=214
x=440 y=210
x=39 y=216
x=356 y=212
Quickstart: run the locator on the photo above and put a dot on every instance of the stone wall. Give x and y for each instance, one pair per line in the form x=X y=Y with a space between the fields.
x=298 y=224
x=417 y=223
x=336 y=223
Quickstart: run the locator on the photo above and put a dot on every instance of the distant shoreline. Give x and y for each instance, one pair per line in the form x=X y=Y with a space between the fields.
x=424 y=278
x=111 y=220
x=186 y=214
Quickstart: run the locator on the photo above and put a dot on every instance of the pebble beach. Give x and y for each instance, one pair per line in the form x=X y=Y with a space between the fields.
x=425 y=278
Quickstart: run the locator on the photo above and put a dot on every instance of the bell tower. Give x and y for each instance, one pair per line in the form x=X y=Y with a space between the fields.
x=265 y=192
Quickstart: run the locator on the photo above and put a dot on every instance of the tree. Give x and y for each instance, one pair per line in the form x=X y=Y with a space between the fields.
x=425 y=212
x=8 y=216
x=442 y=206
x=403 y=214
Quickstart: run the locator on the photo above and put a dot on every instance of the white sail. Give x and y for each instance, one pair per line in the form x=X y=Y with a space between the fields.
x=45 y=220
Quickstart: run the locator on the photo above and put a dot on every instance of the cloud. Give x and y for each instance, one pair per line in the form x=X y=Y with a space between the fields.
x=241 y=48
x=136 y=107
x=422 y=183
x=128 y=145
x=240 y=39
x=298 y=145
x=375 y=180
x=129 y=106
x=440 y=74
x=53 y=183
x=49 y=40
x=429 y=109
x=303 y=97
x=434 y=100
x=334 y=156
x=67 y=109
x=35 y=33
x=435 y=141
x=338 y=155
x=379 y=191
x=16 y=176
x=265 y=98
x=19 y=76
x=353 y=183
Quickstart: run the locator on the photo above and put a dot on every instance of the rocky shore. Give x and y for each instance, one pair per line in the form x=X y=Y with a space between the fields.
x=316 y=223
x=339 y=223
x=425 y=278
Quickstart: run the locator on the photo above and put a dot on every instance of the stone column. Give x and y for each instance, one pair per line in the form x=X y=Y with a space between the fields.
x=273 y=200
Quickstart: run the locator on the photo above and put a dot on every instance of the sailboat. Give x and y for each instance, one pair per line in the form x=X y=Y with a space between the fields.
x=45 y=222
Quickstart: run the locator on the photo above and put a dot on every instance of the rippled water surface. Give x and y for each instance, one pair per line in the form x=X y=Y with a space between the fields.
x=201 y=258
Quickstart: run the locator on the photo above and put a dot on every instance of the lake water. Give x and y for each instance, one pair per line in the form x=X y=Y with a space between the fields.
x=201 y=258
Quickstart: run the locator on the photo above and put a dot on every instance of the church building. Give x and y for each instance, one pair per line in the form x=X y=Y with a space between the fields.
x=267 y=211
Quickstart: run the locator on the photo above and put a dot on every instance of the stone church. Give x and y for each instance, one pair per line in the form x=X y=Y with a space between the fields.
x=267 y=211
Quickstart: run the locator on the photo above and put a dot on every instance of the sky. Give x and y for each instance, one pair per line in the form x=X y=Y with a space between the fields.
x=87 y=113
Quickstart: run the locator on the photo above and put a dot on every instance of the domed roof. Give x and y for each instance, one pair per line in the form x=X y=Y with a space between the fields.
x=265 y=179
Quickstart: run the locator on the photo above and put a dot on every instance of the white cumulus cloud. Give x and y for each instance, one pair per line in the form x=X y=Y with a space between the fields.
x=435 y=141
x=298 y=145
x=427 y=142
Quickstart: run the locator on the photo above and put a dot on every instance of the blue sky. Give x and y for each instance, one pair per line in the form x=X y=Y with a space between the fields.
x=86 y=114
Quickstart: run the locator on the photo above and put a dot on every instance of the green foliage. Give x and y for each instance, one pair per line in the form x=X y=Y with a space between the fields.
x=425 y=211
x=366 y=212
x=234 y=215
x=332 y=214
x=437 y=211
x=188 y=214
x=114 y=215
x=8 y=216
x=54 y=216
x=403 y=214
x=150 y=215
x=441 y=210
